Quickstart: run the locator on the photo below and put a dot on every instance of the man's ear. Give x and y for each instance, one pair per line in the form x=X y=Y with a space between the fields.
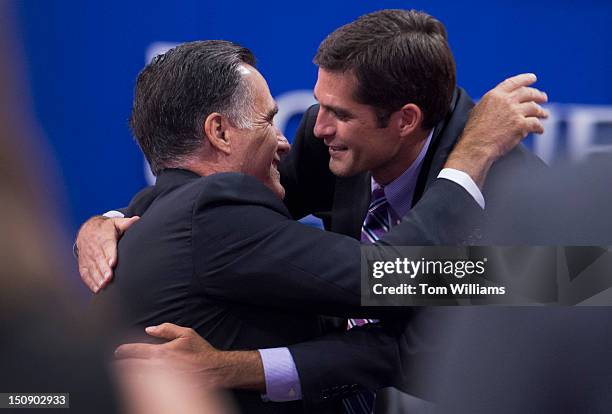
x=410 y=119
x=216 y=129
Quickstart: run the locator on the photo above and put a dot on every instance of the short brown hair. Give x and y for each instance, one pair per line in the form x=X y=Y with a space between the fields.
x=398 y=57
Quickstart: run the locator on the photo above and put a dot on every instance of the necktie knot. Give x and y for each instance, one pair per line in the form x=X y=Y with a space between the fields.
x=377 y=199
x=379 y=217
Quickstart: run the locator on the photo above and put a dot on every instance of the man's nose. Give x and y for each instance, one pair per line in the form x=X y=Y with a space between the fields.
x=324 y=127
x=283 y=145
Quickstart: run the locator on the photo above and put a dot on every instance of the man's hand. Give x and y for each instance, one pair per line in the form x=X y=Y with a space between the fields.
x=502 y=119
x=97 y=249
x=195 y=356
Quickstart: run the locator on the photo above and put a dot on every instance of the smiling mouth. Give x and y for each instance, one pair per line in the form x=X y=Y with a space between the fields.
x=337 y=149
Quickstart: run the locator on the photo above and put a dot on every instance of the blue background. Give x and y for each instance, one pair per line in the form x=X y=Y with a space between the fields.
x=82 y=59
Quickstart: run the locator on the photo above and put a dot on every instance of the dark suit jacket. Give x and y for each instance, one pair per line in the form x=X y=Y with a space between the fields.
x=373 y=357
x=221 y=254
x=342 y=205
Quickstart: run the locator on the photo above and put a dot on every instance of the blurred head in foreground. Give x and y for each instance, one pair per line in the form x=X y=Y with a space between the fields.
x=49 y=345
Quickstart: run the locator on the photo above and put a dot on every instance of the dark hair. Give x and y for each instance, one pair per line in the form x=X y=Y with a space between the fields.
x=398 y=57
x=177 y=91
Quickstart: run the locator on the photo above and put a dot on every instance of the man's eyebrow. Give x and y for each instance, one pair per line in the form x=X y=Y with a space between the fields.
x=335 y=109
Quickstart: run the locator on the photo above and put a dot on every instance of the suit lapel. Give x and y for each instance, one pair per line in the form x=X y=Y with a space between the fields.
x=444 y=139
x=351 y=200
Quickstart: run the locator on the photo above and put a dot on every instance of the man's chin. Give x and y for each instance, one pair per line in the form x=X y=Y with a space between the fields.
x=278 y=190
x=273 y=183
x=341 y=169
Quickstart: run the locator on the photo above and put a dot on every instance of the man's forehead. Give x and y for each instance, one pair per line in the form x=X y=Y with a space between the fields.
x=264 y=102
x=253 y=78
x=335 y=84
x=337 y=90
x=345 y=77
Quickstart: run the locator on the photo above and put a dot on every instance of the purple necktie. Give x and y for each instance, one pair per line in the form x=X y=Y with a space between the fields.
x=377 y=222
x=380 y=217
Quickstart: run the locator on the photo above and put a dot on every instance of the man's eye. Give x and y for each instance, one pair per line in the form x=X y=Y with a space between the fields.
x=342 y=117
x=271 y=118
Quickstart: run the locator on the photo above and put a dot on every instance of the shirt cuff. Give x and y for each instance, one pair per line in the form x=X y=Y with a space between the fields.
x=465 y=181
x=114 y=214
x=282 y=381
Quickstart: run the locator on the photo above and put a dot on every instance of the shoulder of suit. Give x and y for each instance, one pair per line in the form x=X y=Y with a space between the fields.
x=235 y=189
x=521 y=157
x=216 y=190
x=463 y=99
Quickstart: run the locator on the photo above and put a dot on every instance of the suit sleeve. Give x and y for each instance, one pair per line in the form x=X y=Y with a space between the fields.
x=397 y=352
x=257 y=255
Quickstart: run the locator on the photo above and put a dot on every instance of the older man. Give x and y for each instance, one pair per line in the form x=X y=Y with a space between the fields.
x=256 y=245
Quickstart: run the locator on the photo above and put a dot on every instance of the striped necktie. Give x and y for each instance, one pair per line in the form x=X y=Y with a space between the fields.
x=377 y=222
x=379 y=218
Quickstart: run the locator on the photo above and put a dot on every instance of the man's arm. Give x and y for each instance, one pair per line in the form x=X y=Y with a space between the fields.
x=217 y=369
x=96 y=244
x=97 y=251
x=501 y=120
x=278 y=262
x=244 y=369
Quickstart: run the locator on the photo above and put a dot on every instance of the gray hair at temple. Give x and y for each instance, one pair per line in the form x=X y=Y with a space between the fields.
x=177 y=91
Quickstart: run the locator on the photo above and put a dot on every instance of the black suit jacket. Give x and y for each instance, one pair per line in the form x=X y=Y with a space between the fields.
x=342 y=205
x=334 y=365
x=222 y=254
